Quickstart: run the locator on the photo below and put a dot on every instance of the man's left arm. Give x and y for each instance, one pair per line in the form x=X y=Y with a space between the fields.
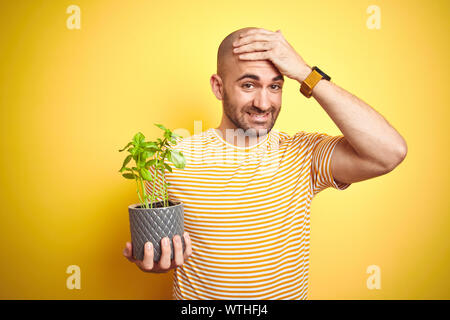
x=371 y=146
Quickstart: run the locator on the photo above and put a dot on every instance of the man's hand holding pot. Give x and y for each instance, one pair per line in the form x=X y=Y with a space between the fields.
x=164 y=264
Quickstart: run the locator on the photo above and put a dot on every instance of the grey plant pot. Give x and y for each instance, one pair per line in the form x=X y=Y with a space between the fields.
x=153 y=224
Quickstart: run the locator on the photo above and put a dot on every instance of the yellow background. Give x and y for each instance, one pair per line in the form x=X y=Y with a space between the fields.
x=70 y=99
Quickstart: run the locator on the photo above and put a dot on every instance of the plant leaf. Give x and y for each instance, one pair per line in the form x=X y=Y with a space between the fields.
x=127 y=159
x=152 y=149
x=125 y=169
x=168 y=167
x=150 y=145
x=167 y=135
x=177 y=158
x=129 y=144
x=160 y=126
x=147 y=154
x=141 y=163
x=138 y=138
x=146 y=174
x=129 y=175
x=150 y=163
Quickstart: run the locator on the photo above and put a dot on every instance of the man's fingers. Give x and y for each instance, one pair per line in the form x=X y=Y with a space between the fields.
x=178 y=251
x=188 y=249
x=128 y=252
x=147 y=262
x=164 y=262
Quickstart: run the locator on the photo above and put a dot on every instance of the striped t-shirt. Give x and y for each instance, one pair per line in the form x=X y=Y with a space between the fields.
x=247 y=211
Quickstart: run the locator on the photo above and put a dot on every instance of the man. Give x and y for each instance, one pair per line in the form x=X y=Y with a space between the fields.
x=247 y=202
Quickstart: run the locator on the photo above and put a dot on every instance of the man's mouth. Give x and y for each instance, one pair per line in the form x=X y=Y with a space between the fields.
x=258 y=117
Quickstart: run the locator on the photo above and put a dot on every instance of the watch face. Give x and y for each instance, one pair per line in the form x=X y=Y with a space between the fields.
x=324 y=75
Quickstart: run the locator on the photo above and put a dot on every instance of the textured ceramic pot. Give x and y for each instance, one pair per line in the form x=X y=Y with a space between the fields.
x=153 y=224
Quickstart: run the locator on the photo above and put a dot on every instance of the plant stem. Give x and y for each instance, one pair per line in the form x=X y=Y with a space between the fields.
x=143 y=202
x=140 y=180
x=154 y=179
x=164 y=190
x=164 y=187
x=145 y=194
x=137 y=189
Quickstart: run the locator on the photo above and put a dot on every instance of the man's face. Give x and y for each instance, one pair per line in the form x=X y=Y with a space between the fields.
x=253 y=101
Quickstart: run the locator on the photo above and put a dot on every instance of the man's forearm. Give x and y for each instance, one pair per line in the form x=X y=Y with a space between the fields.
x=370 y=135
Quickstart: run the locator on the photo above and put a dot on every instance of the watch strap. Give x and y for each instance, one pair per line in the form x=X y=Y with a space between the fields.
x=324 y=75
x=311 y=80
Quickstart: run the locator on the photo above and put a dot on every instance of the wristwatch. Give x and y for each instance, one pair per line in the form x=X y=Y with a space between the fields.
x=311 y=80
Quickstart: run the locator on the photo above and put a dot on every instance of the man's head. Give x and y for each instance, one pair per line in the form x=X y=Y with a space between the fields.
x=244 y=97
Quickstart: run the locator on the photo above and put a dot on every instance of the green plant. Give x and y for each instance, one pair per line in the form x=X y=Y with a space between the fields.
x=158 y=151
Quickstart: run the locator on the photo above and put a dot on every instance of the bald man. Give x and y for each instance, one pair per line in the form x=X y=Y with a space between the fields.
x=247 y=189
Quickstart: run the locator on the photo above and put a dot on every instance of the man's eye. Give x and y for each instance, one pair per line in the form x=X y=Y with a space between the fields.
x=276 y=85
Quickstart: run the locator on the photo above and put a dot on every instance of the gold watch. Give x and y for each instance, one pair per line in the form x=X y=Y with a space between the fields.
x=311 y=80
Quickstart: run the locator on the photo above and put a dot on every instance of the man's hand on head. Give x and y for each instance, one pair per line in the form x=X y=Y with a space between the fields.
x=262 y=44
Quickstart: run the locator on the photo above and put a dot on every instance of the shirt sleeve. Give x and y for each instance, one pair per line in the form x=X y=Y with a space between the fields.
x=322 y=149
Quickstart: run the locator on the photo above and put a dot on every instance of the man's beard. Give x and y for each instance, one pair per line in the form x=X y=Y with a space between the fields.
x=240 y=122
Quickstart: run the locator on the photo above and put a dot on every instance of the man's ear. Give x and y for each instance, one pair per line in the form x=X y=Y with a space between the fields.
x=217 y=86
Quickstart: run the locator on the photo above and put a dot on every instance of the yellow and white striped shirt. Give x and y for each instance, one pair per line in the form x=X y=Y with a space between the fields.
x=247 y=211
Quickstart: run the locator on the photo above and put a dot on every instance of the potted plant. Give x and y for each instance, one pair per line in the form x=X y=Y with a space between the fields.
x=151 y=220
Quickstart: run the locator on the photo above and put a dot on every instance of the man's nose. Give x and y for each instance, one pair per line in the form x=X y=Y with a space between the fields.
x=262 y=101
